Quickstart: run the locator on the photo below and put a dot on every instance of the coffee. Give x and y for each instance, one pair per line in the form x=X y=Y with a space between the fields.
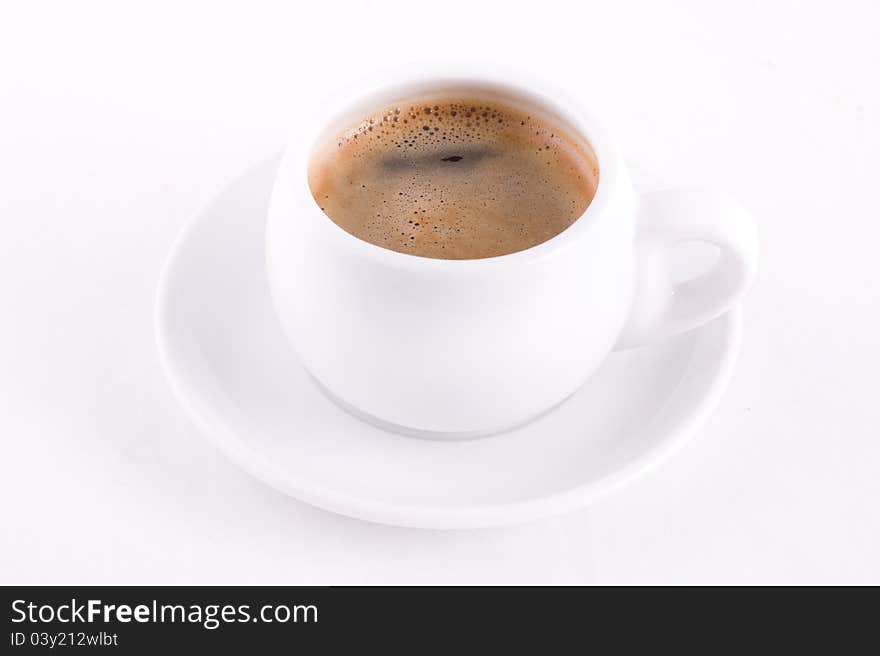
x=454 y=178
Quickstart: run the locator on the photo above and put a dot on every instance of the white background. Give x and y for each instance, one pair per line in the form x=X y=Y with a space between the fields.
x=118 y=120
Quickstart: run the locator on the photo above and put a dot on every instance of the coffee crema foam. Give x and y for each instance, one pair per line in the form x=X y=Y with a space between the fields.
x=454 y=178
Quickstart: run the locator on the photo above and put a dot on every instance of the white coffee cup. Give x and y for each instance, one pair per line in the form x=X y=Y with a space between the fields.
x=460 y=348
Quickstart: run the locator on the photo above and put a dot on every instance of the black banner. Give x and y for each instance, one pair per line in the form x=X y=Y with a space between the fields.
x=150 y=620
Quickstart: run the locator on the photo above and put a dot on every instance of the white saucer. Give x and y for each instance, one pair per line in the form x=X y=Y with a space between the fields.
x=234 y=372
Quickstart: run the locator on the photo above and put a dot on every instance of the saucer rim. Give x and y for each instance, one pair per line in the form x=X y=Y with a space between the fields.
x=408 y=515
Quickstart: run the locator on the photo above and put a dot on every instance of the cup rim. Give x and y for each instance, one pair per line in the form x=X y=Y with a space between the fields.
x=383 y=88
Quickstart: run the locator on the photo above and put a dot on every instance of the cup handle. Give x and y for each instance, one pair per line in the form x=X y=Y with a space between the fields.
x=666 y=218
